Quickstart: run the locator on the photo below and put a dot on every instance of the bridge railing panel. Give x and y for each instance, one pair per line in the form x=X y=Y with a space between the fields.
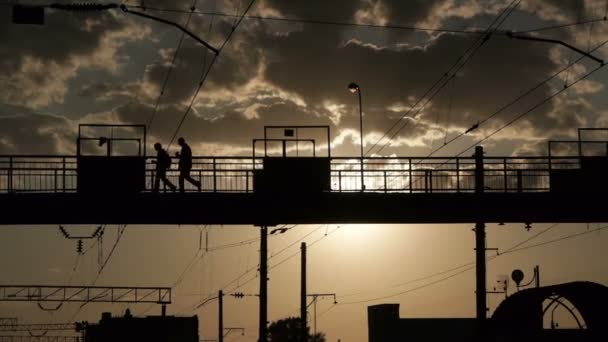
x=37 y=174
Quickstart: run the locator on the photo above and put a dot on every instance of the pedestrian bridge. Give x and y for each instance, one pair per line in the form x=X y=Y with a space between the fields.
x=266 y=190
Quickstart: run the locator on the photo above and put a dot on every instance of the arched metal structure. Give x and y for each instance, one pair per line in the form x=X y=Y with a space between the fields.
x=523 y=312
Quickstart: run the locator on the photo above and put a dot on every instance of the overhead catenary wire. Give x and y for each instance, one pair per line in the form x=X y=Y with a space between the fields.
x=228 y=288
x=513 y=249
x=532 y=109
x=445 y=77
x=293 y=255
x=508 y=11
x=509 y=104
x=456 y=268
x=389 y=26
x=254 y=268
x=513 y=102
x=171 y=67
x=512 y=121
x=206 y=73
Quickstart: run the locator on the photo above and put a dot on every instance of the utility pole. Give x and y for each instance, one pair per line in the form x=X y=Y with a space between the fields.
x=303 y=307
x=316 y=296
x=220 y=331
x=263 y=284
x=480 y=245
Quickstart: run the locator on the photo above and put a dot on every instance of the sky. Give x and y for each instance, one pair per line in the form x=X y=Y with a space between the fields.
x=110 y=67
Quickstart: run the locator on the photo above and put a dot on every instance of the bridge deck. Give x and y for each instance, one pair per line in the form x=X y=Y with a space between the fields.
x=338 y=208
x=43 y=190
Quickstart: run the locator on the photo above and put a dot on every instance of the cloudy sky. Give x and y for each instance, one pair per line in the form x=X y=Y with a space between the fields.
x=110 y=66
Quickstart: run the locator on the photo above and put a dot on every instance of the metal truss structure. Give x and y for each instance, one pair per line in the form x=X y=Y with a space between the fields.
x=85 y=294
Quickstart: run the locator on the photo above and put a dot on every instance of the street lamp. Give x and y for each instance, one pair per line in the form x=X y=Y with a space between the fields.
x=354 y=88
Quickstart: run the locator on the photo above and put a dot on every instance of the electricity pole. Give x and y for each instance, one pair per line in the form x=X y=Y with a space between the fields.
x=303 y=308
x=263 y=333
x=480 y=246
x=220 y=332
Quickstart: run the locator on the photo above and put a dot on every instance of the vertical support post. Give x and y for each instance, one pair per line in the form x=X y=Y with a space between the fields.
x=506 y=178
x=10 y=174
x=303 y=315
x=479 y=174
x=163 y=310
x=537 y=276
x=480 y=247
x=220 y=318
x=385 y=183
x=411 y=174
x=284 y=148
x=315 y=313
x=520 y=181
x=63 y=173
x=480 y=260
x=214 y=175
x=457 y=174
x=263 y=334
x=361 y=136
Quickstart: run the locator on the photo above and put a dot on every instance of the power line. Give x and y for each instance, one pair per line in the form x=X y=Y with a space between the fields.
x=447 y=76
x=512 y=102
x=171 y=66
x=434 y=275
x=555 y=27
x=206 y=73
x=354 y=24
x=509 y=104
x=533 y=108
x=256 y=266
x=289 y=257
x=120 y=233
x=405 y=124
x=469 y=266
x=567 y=237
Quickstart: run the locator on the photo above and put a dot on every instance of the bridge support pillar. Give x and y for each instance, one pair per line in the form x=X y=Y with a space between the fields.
x=480 y=250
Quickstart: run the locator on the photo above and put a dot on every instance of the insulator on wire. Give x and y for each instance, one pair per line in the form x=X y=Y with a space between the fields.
x=79 y=247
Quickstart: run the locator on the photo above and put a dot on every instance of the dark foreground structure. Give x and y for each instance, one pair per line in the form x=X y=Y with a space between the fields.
x=143 y=329
x=520 y=317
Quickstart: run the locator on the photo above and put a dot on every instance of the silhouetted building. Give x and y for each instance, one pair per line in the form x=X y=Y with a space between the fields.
x=385 y=325
x=143 y=329
x=520 y=317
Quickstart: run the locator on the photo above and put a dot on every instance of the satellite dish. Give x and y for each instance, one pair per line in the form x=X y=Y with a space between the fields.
x=517 y=276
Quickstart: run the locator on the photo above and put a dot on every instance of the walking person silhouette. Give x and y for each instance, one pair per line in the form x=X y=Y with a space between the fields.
x=185 y=165
x=163 y=163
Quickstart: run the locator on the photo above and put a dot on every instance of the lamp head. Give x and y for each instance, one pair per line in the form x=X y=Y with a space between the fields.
x=517 y=276
x=353 y=87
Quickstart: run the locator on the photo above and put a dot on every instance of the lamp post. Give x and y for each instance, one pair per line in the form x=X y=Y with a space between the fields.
x=354 y=88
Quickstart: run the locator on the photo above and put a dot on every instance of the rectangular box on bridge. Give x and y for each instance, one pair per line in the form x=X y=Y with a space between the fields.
x=111 y=159
x=290 y=161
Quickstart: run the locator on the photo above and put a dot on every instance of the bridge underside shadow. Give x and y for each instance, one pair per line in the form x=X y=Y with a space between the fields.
x=297 y=208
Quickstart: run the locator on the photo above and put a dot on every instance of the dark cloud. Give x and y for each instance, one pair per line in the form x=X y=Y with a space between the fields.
x=313 y=63
x=34 y=133
x=341 y=10
x=63 y=36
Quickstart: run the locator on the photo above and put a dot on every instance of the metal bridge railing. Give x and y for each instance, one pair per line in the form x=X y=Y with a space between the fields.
x=58 y=174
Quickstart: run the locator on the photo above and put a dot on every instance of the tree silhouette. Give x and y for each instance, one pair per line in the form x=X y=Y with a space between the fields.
x=288 y=330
